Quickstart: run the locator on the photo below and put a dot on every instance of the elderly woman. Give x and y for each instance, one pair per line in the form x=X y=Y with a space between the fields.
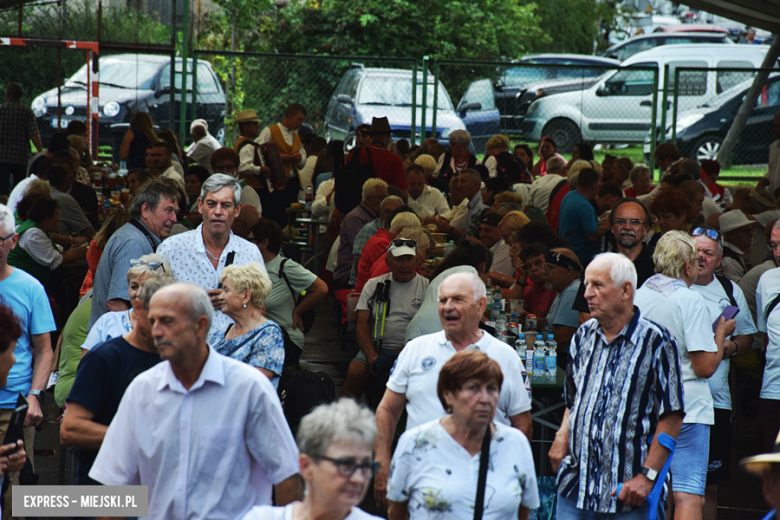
x=253 y=338
x=456 y=160
x=11 y=460
x=116 y=323
x=335 y=443
x=289 y=279
x=673 y=211
x=432 y=472
x=36 y=252
x=639 y=176
x=500 y=163
x=512 y=221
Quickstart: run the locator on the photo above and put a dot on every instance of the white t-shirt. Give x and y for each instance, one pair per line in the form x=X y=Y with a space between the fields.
x=416 y=375
x=286 y=513
x=541 y=188
x=430 y=202
x=502 y=262
x=684 y=313
x=717 y=300
x=438 y=476
x=768 y=289
x=749 y=286
x=40 y=248
x=110 y=325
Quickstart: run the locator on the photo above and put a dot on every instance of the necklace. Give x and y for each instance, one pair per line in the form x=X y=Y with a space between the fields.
x=209 y=253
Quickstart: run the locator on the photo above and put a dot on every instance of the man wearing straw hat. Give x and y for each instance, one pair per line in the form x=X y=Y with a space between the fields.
x=767 y=466
x=248 y=125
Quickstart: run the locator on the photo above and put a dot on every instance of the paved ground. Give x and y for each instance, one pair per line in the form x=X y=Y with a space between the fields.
x=739 y=499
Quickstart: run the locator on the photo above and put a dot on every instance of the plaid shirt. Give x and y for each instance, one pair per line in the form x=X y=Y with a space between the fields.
x=617 y=393
x=17 y=125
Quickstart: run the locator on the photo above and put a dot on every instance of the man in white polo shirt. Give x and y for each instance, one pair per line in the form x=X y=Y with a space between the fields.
x=414 y=377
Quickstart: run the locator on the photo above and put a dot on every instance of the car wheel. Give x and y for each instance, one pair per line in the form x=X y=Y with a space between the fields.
x=707 y=148
x=565 y=133
x=349 y=141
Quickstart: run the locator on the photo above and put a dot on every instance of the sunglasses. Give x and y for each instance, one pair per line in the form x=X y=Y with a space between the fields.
x=400 y=242
x=714 y=234
x=347 y=467
x=151 y=265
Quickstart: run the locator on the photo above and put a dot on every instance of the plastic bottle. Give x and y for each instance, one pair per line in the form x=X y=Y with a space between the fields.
x=501 y=324
x=106 y=207
x=530 y=323
x=495 y=309
x=309 y=197
x=540 y=363
x=449 y=248
x=513 y=325
x=552 y=356
x=520 y=346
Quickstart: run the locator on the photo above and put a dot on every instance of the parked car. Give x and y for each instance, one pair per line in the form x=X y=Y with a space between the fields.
x=581 y=71
x=701 y=131
x=130 y=83
x=365 y=93
x=617 y=109
x=645 y=42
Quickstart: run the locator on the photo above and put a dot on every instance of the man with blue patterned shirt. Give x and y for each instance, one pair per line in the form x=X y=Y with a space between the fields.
x=623 y=387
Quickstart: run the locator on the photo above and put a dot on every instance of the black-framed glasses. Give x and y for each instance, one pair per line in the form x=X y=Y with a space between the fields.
x=151 y=265
x=347 y=467
x=634 y=222
x=400 y=242
x=3 y=239
x=709 y=232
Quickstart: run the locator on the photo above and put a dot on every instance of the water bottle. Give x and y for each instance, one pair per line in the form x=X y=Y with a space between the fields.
x=106 y=207
x=540 y=363
x=520 y=346
x=513 y=325
x=552 y=356
x=495 y=309
x=309 y=197
x=530 y=323
x=501 y=327
x=449 y=249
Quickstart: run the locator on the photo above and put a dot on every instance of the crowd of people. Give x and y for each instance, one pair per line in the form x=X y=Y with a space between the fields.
x=155 y=310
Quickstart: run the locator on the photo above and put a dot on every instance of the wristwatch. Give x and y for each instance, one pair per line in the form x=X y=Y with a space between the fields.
x=650 y=473
x=41 y=395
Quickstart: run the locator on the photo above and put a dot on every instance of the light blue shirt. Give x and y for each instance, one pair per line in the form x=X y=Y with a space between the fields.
x=110 y=325
x=561 y=311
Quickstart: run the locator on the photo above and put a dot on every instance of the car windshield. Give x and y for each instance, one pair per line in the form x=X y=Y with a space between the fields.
x=123 y=74
x=398 y=92
x=727 y=95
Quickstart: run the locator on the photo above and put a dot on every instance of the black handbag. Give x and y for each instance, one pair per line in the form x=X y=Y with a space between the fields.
x=308 y=316
x=484 y=458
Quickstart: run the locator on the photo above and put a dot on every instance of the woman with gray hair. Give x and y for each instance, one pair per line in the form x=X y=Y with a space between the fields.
x=641 y=184
x=337 y=463
x=457 y=159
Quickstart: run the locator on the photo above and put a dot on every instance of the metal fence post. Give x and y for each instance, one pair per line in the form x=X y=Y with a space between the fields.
x=664 y=101
x=413 y=129
x=424 y=99
x=653 y=127
x=184 y=53
x=194 y=89
x=676 y=95
x=434 y=134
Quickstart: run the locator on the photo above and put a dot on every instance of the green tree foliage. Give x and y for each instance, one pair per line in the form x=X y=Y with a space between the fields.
x=572 y=25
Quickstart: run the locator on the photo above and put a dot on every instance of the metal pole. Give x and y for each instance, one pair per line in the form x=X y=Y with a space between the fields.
x=413 y=136
x=184 y=55
x=424 y=99
x=435 y=97
x=653 y=127
x=664 y=100
x=172 y=92
x=676 y=95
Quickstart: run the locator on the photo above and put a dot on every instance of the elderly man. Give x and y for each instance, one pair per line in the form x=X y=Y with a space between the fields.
x=423 y=199
x=718 y=293
x=160 y=164
x=623 y=387
x=23 y=294
x=767 y=466
x=562 y=274
x=374 y=192
x=372 y=229
x=542 y=188
x=629 y=222
x=101 y=381
x=250 y=167
x=470 y=185
x=220 y=438
x=152 y=216
x=490 y=237
x=198 y=256
x=457 y=217
x=768 y=320
x=413 y=380
x=17 y=129
x=578 y=221
x=383 y=315
x=203 y=144
x=457 y=159
x=737 y=231
x=772 y=177
x=667 y=299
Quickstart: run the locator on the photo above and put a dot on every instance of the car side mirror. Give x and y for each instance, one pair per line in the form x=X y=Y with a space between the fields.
x=345 y=99
x=601 y=91
x=470 y=106
x=162 y=90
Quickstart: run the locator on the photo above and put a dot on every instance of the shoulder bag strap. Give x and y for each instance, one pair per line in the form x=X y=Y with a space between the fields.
x=772 y=306
x=292 y=291
x=728 y=289
x=484 y=458
x=229 y=260
x=140 y=227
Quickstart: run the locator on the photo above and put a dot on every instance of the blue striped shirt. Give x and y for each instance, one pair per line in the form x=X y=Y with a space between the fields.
x=617 y=393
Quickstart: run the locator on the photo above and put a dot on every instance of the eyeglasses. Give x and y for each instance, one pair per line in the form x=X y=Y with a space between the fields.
x=634 y=222
x=399 y=242
x=708 y=232
x=151 y=265
x=347 y=467
x=3 y=239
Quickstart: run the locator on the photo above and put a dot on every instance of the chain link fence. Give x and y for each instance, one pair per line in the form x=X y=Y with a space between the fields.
x=698 y=129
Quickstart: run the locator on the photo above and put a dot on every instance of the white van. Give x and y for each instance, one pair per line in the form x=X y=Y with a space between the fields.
x=617 y=108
